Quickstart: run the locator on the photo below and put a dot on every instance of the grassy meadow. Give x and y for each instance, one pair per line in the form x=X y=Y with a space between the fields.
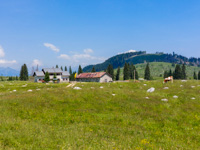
x=117 y=116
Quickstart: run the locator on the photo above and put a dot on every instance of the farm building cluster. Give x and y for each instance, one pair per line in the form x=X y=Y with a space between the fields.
x=63 y=76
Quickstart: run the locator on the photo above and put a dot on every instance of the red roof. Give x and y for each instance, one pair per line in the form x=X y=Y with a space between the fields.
x=91 y=75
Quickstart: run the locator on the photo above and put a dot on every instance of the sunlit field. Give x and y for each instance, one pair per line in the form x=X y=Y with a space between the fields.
x=100 y=115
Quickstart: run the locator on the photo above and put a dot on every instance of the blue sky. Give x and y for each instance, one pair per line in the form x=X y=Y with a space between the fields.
x=73 y=32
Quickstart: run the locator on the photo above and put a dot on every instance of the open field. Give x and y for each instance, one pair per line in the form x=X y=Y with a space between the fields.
x=117 y=116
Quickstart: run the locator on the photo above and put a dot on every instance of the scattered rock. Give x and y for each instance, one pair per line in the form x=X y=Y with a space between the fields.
x=192 y=86
x=193 y=98
x=147 y=97
x=164 y=100
x=24 y=85
x=175 y=96
x=37 y=89
x=152 y=89
x=113 y=94
x=181 y=85
x=30 y=90
x=92 y=87
x=165 y=88
x=101 y=87
x=14 y=90
x=145 y=84
x=77 y=88
x=183 y=80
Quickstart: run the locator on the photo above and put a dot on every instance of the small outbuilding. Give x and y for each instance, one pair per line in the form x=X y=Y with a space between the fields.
x=94 y=77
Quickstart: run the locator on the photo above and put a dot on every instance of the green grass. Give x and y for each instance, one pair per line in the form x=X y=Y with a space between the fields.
x=57 y=117
x=158 y=68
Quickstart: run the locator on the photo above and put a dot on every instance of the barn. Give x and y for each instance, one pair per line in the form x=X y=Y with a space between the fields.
x=94 y=77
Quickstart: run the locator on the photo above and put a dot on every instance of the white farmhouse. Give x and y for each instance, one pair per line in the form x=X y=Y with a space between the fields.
x=94 y=77
x=62 y=76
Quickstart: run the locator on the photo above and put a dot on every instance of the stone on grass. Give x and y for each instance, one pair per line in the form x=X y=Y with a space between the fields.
x=14 y=90
x=181 y=85
x=164 y=100
x=147 y=97
x=193 y=98
x=101 y=87
x=113 y=94
x=37 y=89
x=145 y=84
x=77 y=88
x=175 y=96
x=152 y=89
x=165 y=88
x=192 y=86
x=30 y=90
x=183 y=80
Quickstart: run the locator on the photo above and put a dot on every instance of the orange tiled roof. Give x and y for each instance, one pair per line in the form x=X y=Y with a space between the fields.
x=91 y=75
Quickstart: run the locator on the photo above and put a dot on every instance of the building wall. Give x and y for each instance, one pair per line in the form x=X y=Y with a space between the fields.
x=105 y=78
x=38 y=79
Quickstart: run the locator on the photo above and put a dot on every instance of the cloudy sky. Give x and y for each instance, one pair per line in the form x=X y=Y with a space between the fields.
x=73 y=32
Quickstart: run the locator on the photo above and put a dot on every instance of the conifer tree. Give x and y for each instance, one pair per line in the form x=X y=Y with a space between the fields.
x=147 y=74
x=199 y=75
x=21 y=76
x=46 y=78
x=61 y=68
x=80 y=69
x=184 y=76
x=70 y=70
x=126 y=71
x=195 y=76
x=93 y=69
x=165 y=74
x=170 y=73
x=177 y=72
x=56 y=66
x=110 y=70
x=65 y=68
x=118 y=73
x=24 y=73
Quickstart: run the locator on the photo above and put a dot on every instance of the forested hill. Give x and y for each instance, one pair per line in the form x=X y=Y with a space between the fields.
x=142 y=57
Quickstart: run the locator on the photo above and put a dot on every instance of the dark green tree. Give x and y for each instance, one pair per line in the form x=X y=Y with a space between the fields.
x=110 y=70
x=199 y=75
x=70 y=70
x=147 y=74
x=93 y=69
x=184 y=76
x=65 y=68
x=165 y=74
x=170 y=73
x=61 y=68
x=56 y=66
x=178 y=72
x=24 y=73
x=80 y=70
x=46 y=78
x=16 y=78
x=126 y=71
x=118 y=73
x=195 y=76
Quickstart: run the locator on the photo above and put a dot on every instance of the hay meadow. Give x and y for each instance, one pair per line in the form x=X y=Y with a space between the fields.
x=115 y=116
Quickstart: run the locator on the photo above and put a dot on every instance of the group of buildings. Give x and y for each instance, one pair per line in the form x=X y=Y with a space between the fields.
x=63 y=76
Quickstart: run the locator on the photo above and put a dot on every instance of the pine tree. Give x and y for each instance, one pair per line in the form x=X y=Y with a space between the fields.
x=21 y=76
x=110 y=70
x=165 y=74
x=65 y=68
x=195 y=76
x=118 y=73
x=199 y=75
x=24 y=73
x=70 y=70
x=177 y=72
x=184 y=76
x=147 y=74
x=170 y=73
x=61 y=68
x=126 y=71
x=80 y=69
x=93 y=69
x=46 y=78
x=56 y=66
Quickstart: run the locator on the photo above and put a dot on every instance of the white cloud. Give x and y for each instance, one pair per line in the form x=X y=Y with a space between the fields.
x=52 y=47
x=2 y=53
x=2 y=61
x=64 y=56
x=36 y=62
x=88 y=50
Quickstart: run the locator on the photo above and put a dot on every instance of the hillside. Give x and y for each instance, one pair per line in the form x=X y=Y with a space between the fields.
x=158 y=68
x=117 y=116
x=141 y=57
x=8 y=72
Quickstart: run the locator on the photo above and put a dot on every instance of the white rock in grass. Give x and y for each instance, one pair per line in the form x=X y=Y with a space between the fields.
x=24 y=85
x=152 y=89
x=181 y=85
x=14 y=90
x=147 y=97
x=183 y=80
x=164 y=100
x=101 y=87
x=192 y=86
x=175 y=96
x=113 y=94
x=165 y=88
x=77 y=88
x=92 y=87
x=37 y=89
x=193 y=98
x=145 y=84
x=30 y=90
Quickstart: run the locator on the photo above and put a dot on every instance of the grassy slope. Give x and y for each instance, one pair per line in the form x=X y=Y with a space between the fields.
x=57 y=117
x=158 y=68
